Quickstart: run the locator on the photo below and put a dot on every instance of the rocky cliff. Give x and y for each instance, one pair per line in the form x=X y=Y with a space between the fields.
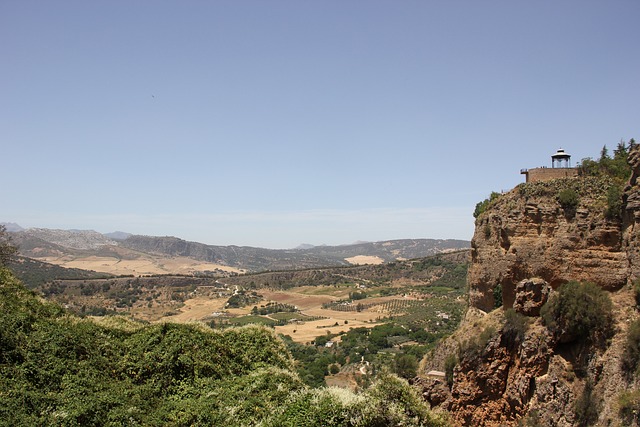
x=506 y=376
x=528 y=233
x=511 y=369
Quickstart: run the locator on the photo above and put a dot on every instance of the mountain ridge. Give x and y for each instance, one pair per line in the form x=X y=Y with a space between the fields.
x=54 y=244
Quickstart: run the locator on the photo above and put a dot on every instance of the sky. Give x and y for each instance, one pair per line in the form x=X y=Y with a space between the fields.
x=275 y=123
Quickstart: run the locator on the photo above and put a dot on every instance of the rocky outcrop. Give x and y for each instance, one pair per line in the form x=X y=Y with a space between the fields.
x=532 y=380
x=527 y=233
x=495 y=386
x=631 y=216
x=531 y=295
x=526 y=244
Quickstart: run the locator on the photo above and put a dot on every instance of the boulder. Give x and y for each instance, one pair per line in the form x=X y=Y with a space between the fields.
x=531 y=295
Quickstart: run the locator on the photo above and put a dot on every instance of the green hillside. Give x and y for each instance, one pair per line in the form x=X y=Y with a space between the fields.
x=33 y=273
x=58 y=369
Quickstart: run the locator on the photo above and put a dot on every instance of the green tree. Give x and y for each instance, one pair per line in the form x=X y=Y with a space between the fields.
x=621 y=151
x=497 y=296
x=604 y=154
x=7 y=249
x=406 y=365
x=616 y=167
x=614 y=203
x=578 y=311
x=449 y=365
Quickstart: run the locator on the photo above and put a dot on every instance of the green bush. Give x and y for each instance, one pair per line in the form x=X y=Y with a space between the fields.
x=569 y=200
x=532 y=419
x=449 y=365
x=578 y=311
x=629 y=404
x=405 y=365
x=631 y=354
x=497 y=296
x=614 y=203
x=389 y=401
x=58 y=369
x=475 y=346
x=235 y=401
x=515 y=326
x=482 y=206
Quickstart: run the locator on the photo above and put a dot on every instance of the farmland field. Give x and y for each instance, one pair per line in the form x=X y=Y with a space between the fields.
x=353 y=320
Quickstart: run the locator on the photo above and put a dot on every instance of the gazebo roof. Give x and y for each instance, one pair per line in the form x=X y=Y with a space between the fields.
x=560 y=154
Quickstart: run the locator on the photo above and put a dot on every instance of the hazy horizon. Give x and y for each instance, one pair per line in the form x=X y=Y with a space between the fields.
x=11 y=224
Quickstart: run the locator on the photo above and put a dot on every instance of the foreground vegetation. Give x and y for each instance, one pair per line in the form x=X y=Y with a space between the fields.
x=367 y=318
x=59 y=369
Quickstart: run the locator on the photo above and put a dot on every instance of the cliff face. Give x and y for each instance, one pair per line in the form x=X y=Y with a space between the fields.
x=502 y=379
x=631 y=216
x=527 y=233
x=529 y=243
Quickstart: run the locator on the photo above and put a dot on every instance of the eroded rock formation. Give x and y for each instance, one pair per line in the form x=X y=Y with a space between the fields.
x=525 y=244
x=531 y=295
x=527 y=233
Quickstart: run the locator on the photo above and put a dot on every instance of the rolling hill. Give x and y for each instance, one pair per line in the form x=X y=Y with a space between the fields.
x=138 y=254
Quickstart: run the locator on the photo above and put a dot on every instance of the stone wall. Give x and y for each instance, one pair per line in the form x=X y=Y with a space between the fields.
x=545 y=174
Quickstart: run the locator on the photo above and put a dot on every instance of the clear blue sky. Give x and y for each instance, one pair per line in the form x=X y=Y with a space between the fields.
x=273 y=123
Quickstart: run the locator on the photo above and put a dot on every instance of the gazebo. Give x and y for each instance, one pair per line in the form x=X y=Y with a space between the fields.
x=561 y=159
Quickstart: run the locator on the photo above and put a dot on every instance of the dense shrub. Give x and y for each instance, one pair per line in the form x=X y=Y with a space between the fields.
x=631 y=354
x=233 y=401
x=482 y=206
x=578 y=311
x=569 y=200
x=614 y=203
x=497 y=296
x=449 y=365
x=475 y=346
x=388 y=402
x=515 y=326
x=58 y=369
x=405 y=365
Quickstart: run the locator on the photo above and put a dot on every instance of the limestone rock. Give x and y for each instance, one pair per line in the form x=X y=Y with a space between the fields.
x=531 y=295
x=525 y=234
x=434 y=391
x=528 y=244
x=493 y=387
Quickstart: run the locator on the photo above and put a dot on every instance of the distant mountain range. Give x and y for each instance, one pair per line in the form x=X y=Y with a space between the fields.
x=51 y=243
x=11 y=226
x=118 y=235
